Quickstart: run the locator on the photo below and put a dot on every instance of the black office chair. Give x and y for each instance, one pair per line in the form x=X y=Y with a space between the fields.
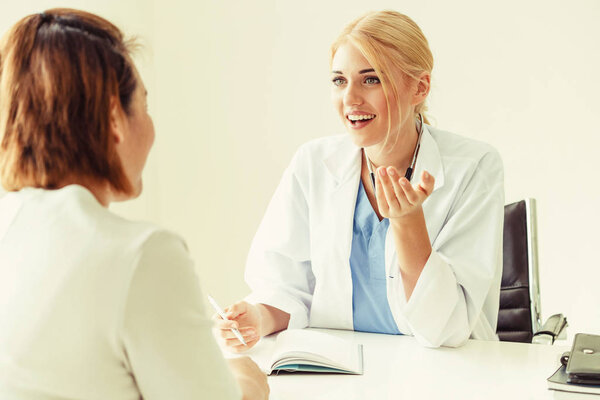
x=519 y=317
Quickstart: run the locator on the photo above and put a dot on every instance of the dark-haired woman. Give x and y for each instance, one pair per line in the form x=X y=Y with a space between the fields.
x=92 y=306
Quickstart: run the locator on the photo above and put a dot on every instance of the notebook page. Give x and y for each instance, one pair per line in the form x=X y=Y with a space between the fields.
x=326 y=347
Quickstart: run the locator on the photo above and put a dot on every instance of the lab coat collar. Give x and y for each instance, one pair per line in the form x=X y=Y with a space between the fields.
x=429 y=159
x=344 y=162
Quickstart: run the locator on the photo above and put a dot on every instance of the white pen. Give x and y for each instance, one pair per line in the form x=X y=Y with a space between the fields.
x=221 y=313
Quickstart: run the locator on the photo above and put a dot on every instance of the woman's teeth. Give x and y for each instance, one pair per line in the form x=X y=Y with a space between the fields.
x=355 y=118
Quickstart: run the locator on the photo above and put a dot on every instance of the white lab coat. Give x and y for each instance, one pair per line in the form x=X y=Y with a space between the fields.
x=299 y=260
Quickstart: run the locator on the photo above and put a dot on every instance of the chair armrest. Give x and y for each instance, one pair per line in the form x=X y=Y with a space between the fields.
x=554 y=328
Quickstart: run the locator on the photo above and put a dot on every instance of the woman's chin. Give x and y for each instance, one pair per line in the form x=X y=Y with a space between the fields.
x=137 y=189
x=363 y=139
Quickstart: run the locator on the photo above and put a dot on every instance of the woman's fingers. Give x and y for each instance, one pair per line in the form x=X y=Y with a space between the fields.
x=223 y=327
x=236 y=309
x=241 y=316
x=400 y=196
x=427 y=183
x=238 y=347
x=396 y=196
x=382 y=204
x=227 y=333
x=234 y=341
x=414 y=197
x=227 y=339
x=418 y=194
x=388 y=190
x=397 y=184
x=247 y=333
x=235 y=320
x=221 y=323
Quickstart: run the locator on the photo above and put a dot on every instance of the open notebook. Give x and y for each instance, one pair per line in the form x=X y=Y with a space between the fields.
x=309 y=351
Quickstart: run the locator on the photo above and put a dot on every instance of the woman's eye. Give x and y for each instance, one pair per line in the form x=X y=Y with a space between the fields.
x=338 y=81
x=371 y=80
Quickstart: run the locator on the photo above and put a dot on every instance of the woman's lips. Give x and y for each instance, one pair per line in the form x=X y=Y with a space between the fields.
x=360 y=123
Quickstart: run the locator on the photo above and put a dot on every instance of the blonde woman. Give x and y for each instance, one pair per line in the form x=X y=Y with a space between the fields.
x=92 y=306
x=394 y=227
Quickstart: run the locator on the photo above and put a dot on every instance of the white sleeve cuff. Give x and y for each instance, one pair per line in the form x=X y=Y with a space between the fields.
x=435 y=304
x=297 y=310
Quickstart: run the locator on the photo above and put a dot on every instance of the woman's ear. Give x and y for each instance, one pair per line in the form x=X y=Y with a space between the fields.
x=116 y=121
x=422 y=88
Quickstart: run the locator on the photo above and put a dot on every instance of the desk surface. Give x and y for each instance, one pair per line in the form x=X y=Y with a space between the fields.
x=397 y=367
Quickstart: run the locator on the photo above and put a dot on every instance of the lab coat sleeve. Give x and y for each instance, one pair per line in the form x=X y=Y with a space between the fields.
x=458 y=290
x=278 y=268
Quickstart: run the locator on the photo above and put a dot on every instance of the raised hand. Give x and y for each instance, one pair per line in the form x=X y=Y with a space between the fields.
x=396 y=197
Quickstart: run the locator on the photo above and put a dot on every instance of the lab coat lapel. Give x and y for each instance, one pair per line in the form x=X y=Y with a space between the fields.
x=430 y=160
x=343 y=166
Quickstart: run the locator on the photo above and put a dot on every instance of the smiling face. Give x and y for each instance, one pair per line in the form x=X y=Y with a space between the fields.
x=360 y=101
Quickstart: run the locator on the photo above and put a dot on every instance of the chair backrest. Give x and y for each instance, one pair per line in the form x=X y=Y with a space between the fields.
x=519 y=316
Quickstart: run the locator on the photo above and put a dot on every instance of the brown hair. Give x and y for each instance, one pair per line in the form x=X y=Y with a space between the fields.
x=58 y=72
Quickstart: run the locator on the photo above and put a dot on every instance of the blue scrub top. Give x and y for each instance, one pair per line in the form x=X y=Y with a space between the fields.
x=371 y=310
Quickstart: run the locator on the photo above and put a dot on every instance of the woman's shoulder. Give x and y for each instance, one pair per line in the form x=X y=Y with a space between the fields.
x=454 y=147
x=76 y=206
x=453 y=144
x=139 y=235
x=466 y=159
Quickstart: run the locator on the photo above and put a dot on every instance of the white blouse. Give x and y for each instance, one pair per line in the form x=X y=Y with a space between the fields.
x=93 y=306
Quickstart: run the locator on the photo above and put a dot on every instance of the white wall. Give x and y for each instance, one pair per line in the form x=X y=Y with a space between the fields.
x=236 y=86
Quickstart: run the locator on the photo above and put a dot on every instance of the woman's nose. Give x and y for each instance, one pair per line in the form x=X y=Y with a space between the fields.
x=352 y=96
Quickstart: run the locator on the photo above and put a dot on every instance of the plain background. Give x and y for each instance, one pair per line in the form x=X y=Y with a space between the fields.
x=236 y=86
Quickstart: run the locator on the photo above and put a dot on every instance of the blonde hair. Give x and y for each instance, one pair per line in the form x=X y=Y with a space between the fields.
x=389 y=40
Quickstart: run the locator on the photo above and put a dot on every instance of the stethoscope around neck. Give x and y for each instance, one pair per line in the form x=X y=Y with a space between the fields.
x=410 y=169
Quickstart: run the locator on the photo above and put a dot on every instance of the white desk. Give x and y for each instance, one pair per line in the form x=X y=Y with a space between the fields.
x=397 y=367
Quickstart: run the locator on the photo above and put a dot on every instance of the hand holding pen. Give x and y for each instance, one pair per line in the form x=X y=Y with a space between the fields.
x=221 y=314
x=241 y=316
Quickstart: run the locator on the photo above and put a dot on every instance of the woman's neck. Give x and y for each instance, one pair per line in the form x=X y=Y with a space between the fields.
x=398 y=152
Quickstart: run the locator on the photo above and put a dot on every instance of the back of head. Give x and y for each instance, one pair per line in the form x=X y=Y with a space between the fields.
x=59 y=71
x=389 y=41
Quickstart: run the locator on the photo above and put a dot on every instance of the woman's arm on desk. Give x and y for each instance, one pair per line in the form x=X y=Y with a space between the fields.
x=253 y=321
